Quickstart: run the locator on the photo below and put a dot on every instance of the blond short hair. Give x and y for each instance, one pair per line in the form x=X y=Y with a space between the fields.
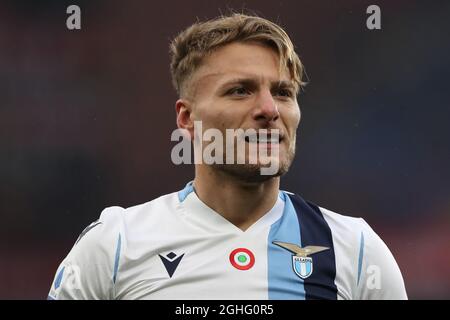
x=190 y=47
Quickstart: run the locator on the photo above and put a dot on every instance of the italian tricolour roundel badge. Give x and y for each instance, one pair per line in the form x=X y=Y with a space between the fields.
x=242 y=259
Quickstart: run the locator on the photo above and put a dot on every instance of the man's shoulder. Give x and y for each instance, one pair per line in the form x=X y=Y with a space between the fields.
x=353 y=235
x=342 y=220
x=150 y=209
x=331 y=217
x=166 y=201
x=360 y=253
x=116 y=224
x=349 y=226
x=346 y=227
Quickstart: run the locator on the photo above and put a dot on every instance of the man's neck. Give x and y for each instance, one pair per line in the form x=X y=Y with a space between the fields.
x=239 y=202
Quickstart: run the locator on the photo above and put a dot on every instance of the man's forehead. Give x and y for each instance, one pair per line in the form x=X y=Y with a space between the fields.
x=221 y=77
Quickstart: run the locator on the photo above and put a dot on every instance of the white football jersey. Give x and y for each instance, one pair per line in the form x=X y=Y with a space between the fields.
x=176 y=247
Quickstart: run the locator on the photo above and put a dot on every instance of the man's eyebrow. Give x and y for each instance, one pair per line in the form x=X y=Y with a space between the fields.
x=254 y=82
x=245 y=81
x=284 y=84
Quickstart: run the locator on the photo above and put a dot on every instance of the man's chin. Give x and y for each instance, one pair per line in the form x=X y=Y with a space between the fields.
x=251 y=173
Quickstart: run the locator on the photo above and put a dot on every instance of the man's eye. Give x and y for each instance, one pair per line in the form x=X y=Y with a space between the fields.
x=238 y=91
x=284 y=93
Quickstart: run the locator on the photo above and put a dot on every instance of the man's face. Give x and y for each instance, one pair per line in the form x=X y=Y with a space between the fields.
x=239 y=86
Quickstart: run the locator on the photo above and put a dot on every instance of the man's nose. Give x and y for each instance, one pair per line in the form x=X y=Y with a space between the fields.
x=266 y=107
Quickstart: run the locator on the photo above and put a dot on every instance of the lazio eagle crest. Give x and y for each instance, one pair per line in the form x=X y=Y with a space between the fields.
x=301 y=263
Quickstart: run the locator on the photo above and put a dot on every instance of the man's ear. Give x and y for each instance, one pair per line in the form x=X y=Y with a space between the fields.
x=183 y=108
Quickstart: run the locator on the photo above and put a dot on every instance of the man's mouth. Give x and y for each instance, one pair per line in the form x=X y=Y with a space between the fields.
x=264 y=138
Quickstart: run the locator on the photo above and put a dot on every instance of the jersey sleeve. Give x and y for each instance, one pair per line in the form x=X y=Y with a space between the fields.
x=88 y=271
x=379 y=277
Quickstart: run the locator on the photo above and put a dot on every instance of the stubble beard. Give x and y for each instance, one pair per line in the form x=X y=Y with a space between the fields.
x=251 y=173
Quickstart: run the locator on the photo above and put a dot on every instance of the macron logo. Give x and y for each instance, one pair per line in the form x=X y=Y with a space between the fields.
x=171 y=262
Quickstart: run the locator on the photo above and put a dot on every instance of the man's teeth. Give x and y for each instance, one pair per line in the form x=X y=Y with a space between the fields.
x=262 y=139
